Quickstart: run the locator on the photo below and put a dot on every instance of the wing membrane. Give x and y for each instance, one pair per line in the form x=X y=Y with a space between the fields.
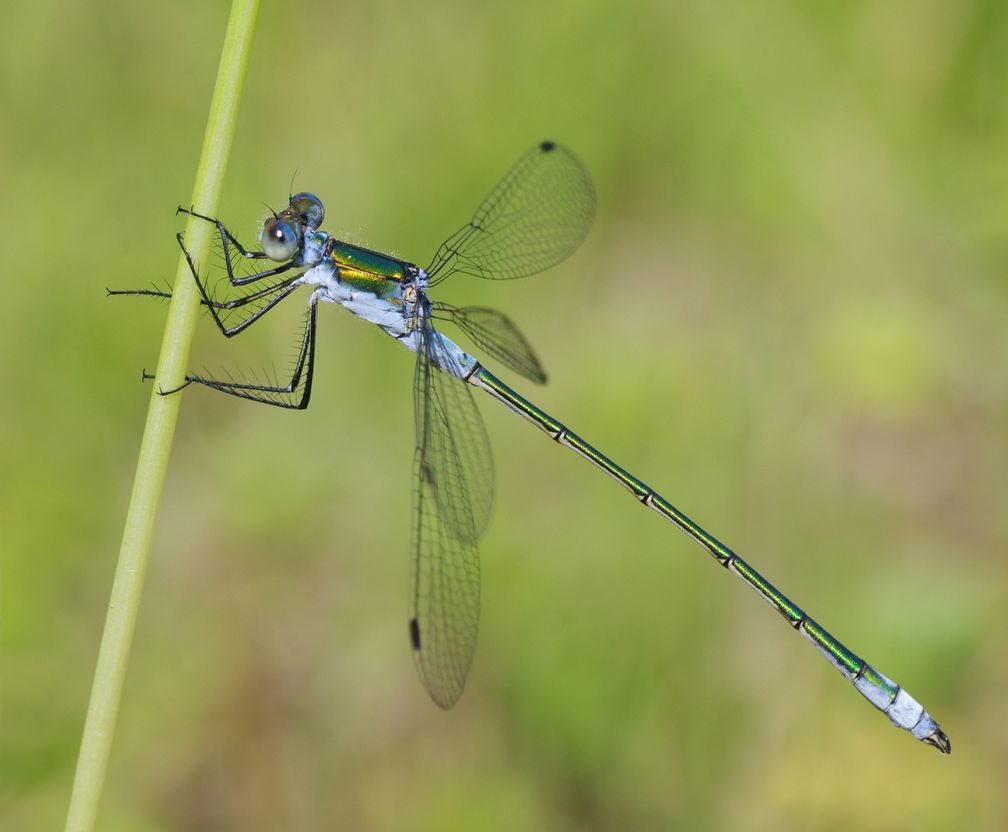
x=444 y=597
x=497 y=335
x=452 y=502
x=534 y=218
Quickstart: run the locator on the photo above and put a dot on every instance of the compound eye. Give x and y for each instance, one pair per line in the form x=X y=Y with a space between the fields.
x=279 y=240
x=309 y=207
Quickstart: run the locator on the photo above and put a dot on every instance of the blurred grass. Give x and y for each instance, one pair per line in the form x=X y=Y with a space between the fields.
x=789 y=319
x=159 y=429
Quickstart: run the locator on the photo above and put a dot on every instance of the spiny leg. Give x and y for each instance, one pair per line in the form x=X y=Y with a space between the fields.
x=284 y=288
x=227 y=240
x=225 y=234
x=154 y=293
x=301 y=377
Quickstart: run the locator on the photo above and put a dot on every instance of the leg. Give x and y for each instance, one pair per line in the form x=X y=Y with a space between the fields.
x=284 y=287
x=279 y=396
x=154 y=293
x=228 y=240
x=225 y=234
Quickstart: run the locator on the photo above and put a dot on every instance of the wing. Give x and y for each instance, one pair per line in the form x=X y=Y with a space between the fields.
x=535 y=217
x=452 y=502
x=497 y=335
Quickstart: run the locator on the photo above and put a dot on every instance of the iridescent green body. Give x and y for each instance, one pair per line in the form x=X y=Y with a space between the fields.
x=901 y=708
x=367 y=270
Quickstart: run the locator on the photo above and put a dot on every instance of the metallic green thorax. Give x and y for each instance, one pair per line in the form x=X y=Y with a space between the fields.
x=882 y=692
x=369 y=271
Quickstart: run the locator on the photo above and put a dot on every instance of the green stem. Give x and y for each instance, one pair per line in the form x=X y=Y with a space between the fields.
x=159 y=430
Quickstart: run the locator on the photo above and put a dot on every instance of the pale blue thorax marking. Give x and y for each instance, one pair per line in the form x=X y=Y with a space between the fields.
x=397 y=316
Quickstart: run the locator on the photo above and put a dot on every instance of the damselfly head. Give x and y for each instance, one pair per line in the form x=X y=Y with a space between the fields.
x=308 y=208
x=281 y=236
x=283 y=233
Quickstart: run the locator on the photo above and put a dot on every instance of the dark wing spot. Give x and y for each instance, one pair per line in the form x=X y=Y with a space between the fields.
x=546 y=147
x=414 y=633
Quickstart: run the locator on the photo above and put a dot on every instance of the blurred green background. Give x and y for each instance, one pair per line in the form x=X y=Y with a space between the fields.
x=790 y=318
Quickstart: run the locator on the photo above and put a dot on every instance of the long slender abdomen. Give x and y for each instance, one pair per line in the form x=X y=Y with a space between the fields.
x=901 y=708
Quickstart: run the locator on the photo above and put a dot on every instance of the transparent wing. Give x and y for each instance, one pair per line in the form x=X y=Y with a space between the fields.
x=456 y=446
x=535 y=217
x=445 y=597
x=452 y=502
x=497 y=335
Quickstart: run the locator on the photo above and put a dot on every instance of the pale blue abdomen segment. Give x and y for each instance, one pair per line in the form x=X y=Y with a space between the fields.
x=901 y=708
x=446 y=355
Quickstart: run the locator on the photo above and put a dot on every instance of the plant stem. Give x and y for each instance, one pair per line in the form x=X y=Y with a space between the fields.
x=159 y=430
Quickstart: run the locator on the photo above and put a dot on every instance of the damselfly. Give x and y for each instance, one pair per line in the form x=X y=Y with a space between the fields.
x=535 y=217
